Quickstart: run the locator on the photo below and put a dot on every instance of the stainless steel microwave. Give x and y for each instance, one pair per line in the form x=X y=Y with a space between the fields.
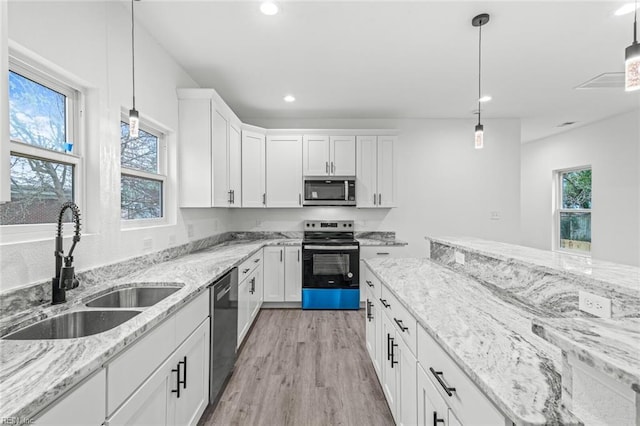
x=329 y=191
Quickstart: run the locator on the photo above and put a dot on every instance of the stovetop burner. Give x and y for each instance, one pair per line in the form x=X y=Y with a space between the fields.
x=336 y=232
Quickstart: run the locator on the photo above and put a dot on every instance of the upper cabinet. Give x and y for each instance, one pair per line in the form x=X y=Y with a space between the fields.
x=253 y=169
x=375 y=178
x=329 y=155
x=284 y=171
x=210 y=153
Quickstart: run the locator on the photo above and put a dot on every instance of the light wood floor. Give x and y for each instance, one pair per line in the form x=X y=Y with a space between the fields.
x=303 y=368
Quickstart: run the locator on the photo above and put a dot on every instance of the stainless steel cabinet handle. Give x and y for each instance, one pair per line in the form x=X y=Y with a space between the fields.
x=326 y=167
x=233 y=196
x=229 y=199
x=280 y=255
x=379 y=199
x=264 y=199
x=298 y=255
x=374 y=199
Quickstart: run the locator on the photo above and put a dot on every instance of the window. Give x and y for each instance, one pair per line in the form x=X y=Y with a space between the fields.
x=573 y=216
x=142 y=184
x=42 y=127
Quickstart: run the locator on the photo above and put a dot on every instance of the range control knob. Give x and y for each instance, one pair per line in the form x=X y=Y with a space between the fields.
x=349 y=274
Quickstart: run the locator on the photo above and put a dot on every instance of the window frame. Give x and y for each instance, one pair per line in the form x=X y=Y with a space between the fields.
x=161 y=133
x=558 y=210
x=37 y=71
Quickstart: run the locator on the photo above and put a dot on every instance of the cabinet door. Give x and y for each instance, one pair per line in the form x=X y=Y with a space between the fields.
x=315 y=153
x=343 y=156
x=194 y=395
x=431 y=409
x=253 y=170
x=293 y=274
x=367 y=171
x=284 y=171
x=274 y=274
x=406 y=379
x=235 y=165
x=244 y=306
x=195 y=153
x=372 y=333
x=219 y=157
x=386 y=171
x=150 y=404
x=84 y=405
x=389 y=366
x=256 y=294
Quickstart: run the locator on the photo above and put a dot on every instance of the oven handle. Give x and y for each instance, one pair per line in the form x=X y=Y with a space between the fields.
x=332 y=248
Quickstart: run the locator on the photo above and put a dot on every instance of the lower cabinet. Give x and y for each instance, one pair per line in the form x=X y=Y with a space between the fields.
x=432 y=409
x=373 y=325
x=283 y=274
x=177 y=393
x=84 y=405
x=250 y=296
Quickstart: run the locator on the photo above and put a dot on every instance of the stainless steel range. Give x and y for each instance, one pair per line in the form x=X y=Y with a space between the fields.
x=330 y=265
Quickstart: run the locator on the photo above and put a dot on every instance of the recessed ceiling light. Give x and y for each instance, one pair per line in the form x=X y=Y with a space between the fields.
x=626 y=9
x=485 y=98
x=269 y=8
x=289 y=98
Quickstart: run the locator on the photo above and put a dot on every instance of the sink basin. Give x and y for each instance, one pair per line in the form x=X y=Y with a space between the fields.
x=73 y=325
x=138 y=297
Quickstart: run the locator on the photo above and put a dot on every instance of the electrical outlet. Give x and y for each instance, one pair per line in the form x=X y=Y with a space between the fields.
x=459 y=258
x=190 y=230
x=494 y=215
x=594 y=304
x=147 y=243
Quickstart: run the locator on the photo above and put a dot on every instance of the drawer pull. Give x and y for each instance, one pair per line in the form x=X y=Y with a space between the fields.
x=438 y=376
x=436 y=420
x=257 y=260
x=383 y=253
x=389 y=338
x=244 y=271
x=393 y=353
x=369 y=314
x=184 y=365
x=401 y=325
x=369 y=283
x=178 y=382
x=384 y=303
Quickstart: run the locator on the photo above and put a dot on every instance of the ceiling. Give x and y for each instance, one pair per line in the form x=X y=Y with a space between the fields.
x=396 y=59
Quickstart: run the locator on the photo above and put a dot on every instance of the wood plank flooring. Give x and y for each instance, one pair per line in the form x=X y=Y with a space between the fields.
x=303 y=368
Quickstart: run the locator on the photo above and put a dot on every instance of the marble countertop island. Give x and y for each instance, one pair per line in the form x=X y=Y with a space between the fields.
x=488 y=337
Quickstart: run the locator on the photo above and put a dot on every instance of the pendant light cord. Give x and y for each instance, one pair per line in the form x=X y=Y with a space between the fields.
x=480 y=70
x=133 y=57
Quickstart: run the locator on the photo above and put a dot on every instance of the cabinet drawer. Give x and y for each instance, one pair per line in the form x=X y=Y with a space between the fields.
x=467 y=401
x=132 y=367
x=189 y=317
x=247 y=267
x=371 y=283
x=369 y=252
x=402 y=320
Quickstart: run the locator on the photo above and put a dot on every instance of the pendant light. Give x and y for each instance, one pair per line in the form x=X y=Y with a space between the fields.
x=134 y=118
x=479 y=21
x=632 y=58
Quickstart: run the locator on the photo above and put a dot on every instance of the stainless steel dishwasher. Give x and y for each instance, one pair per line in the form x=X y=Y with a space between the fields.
x=224 y=332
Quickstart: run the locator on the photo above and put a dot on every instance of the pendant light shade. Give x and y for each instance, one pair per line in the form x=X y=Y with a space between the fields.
x=632 y=58
x=134 y=117
x=479 y=21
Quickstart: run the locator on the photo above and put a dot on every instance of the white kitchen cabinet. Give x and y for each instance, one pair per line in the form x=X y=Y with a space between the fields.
x=235 y=164
x=329 y=156
x=176 y=393
x=257 y=294
x=284 y=171
x=208 y=145
x=372 y=330
x=315 y=153
x=253 y=169
x=431 y=408
x=244 y=306
x=406 y=382
x=375 y=177
x=293 y=274
x=274 y=274
x=83 y=405
x=389 y=380
x=342 y=155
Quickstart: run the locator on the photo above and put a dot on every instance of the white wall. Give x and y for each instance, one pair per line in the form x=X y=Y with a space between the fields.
x=445 y=186
x=90 y=43
x=612 y=148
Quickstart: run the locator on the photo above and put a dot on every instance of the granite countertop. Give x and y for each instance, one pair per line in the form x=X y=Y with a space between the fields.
x=584 y=267
x=611 y=346
x=372 y=242
x=489 y=338
x=34 y=373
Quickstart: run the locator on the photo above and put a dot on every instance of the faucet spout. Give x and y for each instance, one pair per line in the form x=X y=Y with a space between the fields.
x=65 y=278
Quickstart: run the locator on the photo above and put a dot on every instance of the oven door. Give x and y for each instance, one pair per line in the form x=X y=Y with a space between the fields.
x=330 y=266
x=329 y=192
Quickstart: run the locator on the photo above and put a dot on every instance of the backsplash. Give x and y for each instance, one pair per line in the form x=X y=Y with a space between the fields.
x=532 y=286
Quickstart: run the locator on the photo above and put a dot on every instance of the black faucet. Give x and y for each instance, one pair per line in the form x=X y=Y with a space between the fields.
x=65 y=278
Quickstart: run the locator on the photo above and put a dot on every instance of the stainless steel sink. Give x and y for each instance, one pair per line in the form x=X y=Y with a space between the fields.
x=138 y=297
x=73 y=324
